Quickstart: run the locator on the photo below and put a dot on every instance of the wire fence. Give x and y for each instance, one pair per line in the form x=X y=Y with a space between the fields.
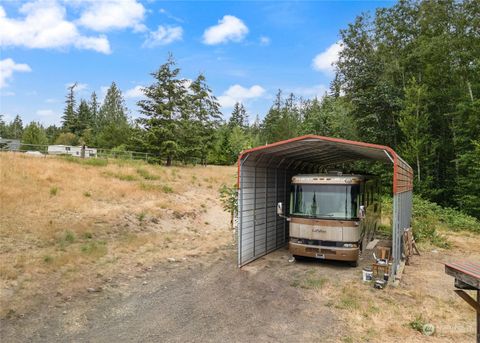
x=99 y=153
x=76 y=151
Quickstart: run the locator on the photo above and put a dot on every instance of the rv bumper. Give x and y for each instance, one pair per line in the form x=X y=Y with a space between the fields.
x=322 y=252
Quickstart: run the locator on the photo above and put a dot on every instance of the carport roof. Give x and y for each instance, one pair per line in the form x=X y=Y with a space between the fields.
x=322 y=151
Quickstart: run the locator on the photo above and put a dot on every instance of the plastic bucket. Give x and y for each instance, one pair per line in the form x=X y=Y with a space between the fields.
x=367 y=274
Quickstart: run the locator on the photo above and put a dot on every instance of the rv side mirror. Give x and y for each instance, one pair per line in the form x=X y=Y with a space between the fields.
x=280 y=209
x=361 y=212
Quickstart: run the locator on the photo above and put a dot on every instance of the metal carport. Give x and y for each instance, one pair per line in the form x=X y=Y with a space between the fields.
x=264 y=175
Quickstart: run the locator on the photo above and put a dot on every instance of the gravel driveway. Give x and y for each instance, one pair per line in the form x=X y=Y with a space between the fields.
x=206 y=300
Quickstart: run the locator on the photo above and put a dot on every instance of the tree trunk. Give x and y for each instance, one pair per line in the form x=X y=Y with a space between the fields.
x=169 y=161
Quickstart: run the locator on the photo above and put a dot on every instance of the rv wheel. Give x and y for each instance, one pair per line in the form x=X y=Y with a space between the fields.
x=353 y=263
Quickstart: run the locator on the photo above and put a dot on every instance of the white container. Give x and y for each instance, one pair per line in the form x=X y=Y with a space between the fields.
x=367 y=274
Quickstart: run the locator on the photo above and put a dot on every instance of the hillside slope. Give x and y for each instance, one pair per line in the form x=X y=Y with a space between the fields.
x=69 y=225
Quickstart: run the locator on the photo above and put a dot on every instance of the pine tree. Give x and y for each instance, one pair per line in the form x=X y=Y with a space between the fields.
x=238 y=117
x=84 y=117
x=3 y=127
x=70 y=118
x=205 y=117
x=165 y=101
x=113 y=125
x=94 y=109
x=52 y=133
x=15 y=128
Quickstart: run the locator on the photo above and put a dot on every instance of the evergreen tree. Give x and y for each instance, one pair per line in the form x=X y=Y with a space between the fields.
x=84 y=117
x=3 y=127
x=205 y=118
x=70 y=118
x=15 y=128
x=113 y=126
x=34 y=134
x=283 y=120
x=94 y=109
x=238 y=117
x=165 y=101
x=52 y=133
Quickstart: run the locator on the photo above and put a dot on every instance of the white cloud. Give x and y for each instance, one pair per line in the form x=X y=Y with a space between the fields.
x=78 y=88
x=45 y=113
x=163 y=36
x=106 y=15
x=229 y=28
x=8 y=67
x=237 y=93
x=44 y=26
x=324 y=61
x=264 y=40
x=170 y=16
x=316 y=91
x=8 y=93
x=135 y=92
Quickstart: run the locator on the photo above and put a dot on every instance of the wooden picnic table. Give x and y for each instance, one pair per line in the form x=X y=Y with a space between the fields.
x=467 y=276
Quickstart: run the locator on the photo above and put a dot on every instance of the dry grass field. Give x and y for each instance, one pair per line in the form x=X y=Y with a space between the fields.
x=67 y=226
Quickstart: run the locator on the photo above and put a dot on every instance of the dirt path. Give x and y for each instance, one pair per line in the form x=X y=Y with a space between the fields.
x=209 y=300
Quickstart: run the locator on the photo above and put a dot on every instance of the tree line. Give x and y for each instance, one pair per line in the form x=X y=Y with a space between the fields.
x=408 y=77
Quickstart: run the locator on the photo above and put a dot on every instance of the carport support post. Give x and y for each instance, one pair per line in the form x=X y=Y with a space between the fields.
x=276 y=202
x=285 y=203
x=266 y=224
x=254 y=207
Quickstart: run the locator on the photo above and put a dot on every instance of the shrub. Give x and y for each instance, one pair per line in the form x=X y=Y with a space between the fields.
x=167 y=189
x=141 y=216
x=53 y=191
x=418 y=323
x=428 y=218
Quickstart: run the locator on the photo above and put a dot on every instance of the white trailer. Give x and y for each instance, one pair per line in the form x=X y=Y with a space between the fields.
x=71 y=150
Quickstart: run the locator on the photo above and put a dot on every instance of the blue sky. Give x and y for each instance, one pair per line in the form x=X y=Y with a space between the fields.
x=247 y=50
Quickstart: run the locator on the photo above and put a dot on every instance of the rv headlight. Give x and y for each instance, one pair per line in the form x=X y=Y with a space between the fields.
x=349 y=245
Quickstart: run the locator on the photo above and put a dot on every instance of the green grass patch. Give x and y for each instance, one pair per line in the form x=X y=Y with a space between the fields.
x=69 y=236
x=348 y=300
x=96 y=162
x=120 y=176
x=166 y=189
x=47 y=259
x=146 y=174
x=87 y=235
x=314 y=283
x=87 y=194
x=141 y=216
x=53 y=191
x=94 y=248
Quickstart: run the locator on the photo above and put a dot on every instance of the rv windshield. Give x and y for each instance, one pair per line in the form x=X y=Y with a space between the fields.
x=324 y=201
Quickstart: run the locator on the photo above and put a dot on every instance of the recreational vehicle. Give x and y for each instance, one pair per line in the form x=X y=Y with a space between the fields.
x=71 y=150
x=331 y=216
